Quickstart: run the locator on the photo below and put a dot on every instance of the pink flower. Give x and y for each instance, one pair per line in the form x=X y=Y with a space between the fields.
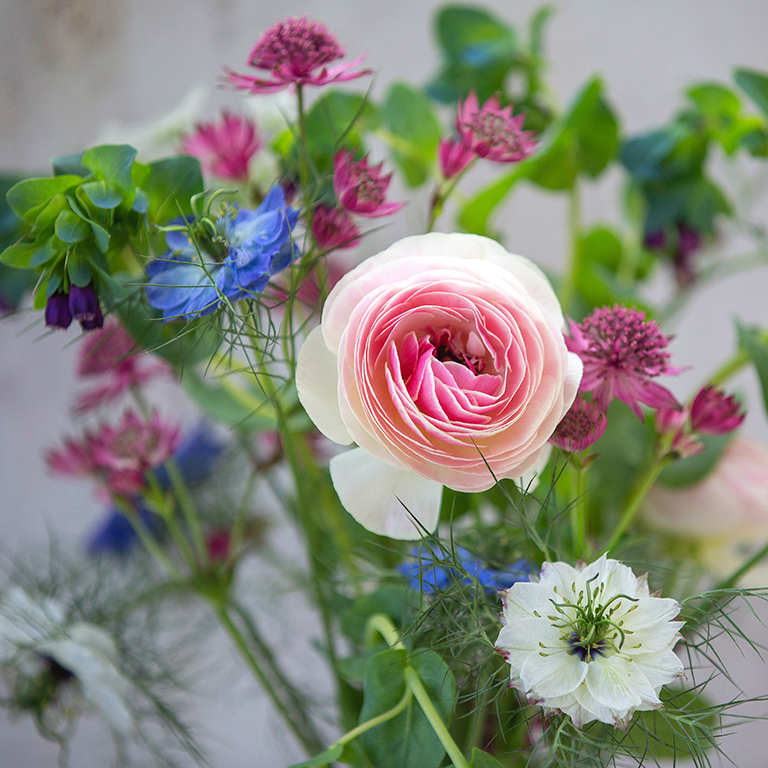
x=224 y=149
x=109 y=354
x=296 y=52
x=454 y=157
x=621 y=351
x=119 y=456
x=360 y=189
x=726 y=513
x=443 y=358
x=581 y=427
x=218 y=543
x=715 y=413
x=334 y=228
x=492 y=132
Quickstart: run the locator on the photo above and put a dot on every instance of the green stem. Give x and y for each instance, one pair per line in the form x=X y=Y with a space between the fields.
x=188 y=509
x=303 y=165
x=442 y=193
x=733 y=365
x=413 y=681
x=374 y=721
x=635 y=500
x=311 y=743
x=734 y=578
x=578 y=513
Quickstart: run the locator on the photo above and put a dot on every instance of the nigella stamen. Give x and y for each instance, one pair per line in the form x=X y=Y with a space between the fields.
x=585 y=650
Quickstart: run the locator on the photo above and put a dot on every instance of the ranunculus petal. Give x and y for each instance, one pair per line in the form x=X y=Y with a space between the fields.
x=383 y=498
x=317 y=382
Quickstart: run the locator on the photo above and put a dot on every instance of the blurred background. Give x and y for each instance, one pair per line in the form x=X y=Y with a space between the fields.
x=75 y=72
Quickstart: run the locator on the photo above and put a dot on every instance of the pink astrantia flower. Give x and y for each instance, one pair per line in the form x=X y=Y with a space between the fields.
x=334 y=228
x=454 y=157
x=492 y=132
x=296 y=52
x=361 y=189
x=444 y=359
x=224 y=149
x=118 y=456
x=621 y=352
x=581 y=427
x=109 y=355
x=713 y=412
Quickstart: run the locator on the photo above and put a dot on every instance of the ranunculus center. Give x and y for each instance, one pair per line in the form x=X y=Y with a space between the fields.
x=449 y=346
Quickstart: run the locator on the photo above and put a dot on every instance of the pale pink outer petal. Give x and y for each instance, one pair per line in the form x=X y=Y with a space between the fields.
x=317 y=382
x=384 y=499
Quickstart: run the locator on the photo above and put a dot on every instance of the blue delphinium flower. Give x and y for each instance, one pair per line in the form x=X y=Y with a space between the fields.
x=429 y=574
x=249 y=247
x=195 y=456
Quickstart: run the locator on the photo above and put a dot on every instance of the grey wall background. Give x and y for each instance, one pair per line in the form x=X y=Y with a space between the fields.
x=69 y=68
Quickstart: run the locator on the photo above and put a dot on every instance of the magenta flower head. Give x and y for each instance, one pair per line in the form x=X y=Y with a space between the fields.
x=296 y=52
x=713 y=412
x=454 y=157
x=224 y=149
x=621 y=352
x=492 y=132
x=582 y=426
x=334 y=228
x=361 y=189
x=110 y=356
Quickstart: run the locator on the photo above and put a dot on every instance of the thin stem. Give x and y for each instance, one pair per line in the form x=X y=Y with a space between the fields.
x=303 y=165
x=578 y=512
x=635 y=500
x=309 y=741
x=733 y=365
x=734 y=578
x=442 y=193
x=188 y=509
x=374 y=721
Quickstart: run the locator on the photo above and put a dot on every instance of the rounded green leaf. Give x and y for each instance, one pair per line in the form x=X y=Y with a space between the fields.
x=102 y=195
x=70 y=228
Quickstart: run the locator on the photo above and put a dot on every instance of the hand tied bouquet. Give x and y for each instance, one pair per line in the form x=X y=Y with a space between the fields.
x=486 y=475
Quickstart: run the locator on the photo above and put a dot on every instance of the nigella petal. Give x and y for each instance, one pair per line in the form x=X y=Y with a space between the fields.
x=556 y=673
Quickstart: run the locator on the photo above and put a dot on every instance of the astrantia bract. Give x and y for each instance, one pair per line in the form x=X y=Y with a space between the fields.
x=590 y=641
x=251 y=246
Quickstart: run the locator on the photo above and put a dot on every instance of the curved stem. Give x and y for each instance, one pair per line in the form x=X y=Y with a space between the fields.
x=635 y=501
x=578 y=513
x=187 y=508
x=374 y=721
x=742 y=570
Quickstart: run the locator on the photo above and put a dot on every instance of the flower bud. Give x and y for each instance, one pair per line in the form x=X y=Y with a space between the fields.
x=57 y=314
x=84 y=307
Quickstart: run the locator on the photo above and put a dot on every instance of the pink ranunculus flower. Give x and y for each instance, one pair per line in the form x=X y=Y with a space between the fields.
x=444 y=359
x=726 y=513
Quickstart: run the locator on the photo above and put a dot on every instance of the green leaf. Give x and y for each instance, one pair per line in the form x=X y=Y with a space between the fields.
x=111 y=163
x=409 y=117
x=43 y=254
x=754 y=343
x=18 y=255
x=102 y=194
x=407 y=740
x=324 y=758
x=694 y=469
x=78 y=271
x=755 y=85
x=69 y=164
x=170 y=185
x=28 y=198
x=100 y=235
x=229 y=403
x=396 y=601
x=482 y=759
x=51 y=211
x=70 y=228
x=140 y=202
x=714 y=99
x=472 y=36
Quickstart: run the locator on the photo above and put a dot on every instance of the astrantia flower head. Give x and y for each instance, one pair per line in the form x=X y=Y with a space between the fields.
x=119 y=456
x=454 y=157
x=492 y=132
x=109 y=355
x=361 y=189
x=250 y=247
x=296 y=52
x=334 y=228
x=582 y=426
x=590 y=641
x=713 y=412
x=225 y=148
x=621 y=352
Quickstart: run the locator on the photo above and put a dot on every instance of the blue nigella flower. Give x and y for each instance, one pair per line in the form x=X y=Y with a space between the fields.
x=249 y=247
x=429 y=574
x=196 y=457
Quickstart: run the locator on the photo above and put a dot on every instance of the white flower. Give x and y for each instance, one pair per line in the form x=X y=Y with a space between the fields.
x=590 y=641
x=80 y=659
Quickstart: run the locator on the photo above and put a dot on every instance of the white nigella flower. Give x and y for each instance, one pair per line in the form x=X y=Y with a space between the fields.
x=57 y=669
x=590 y=641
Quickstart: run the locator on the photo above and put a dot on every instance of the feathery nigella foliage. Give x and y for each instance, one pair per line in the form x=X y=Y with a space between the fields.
x=622 y=352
